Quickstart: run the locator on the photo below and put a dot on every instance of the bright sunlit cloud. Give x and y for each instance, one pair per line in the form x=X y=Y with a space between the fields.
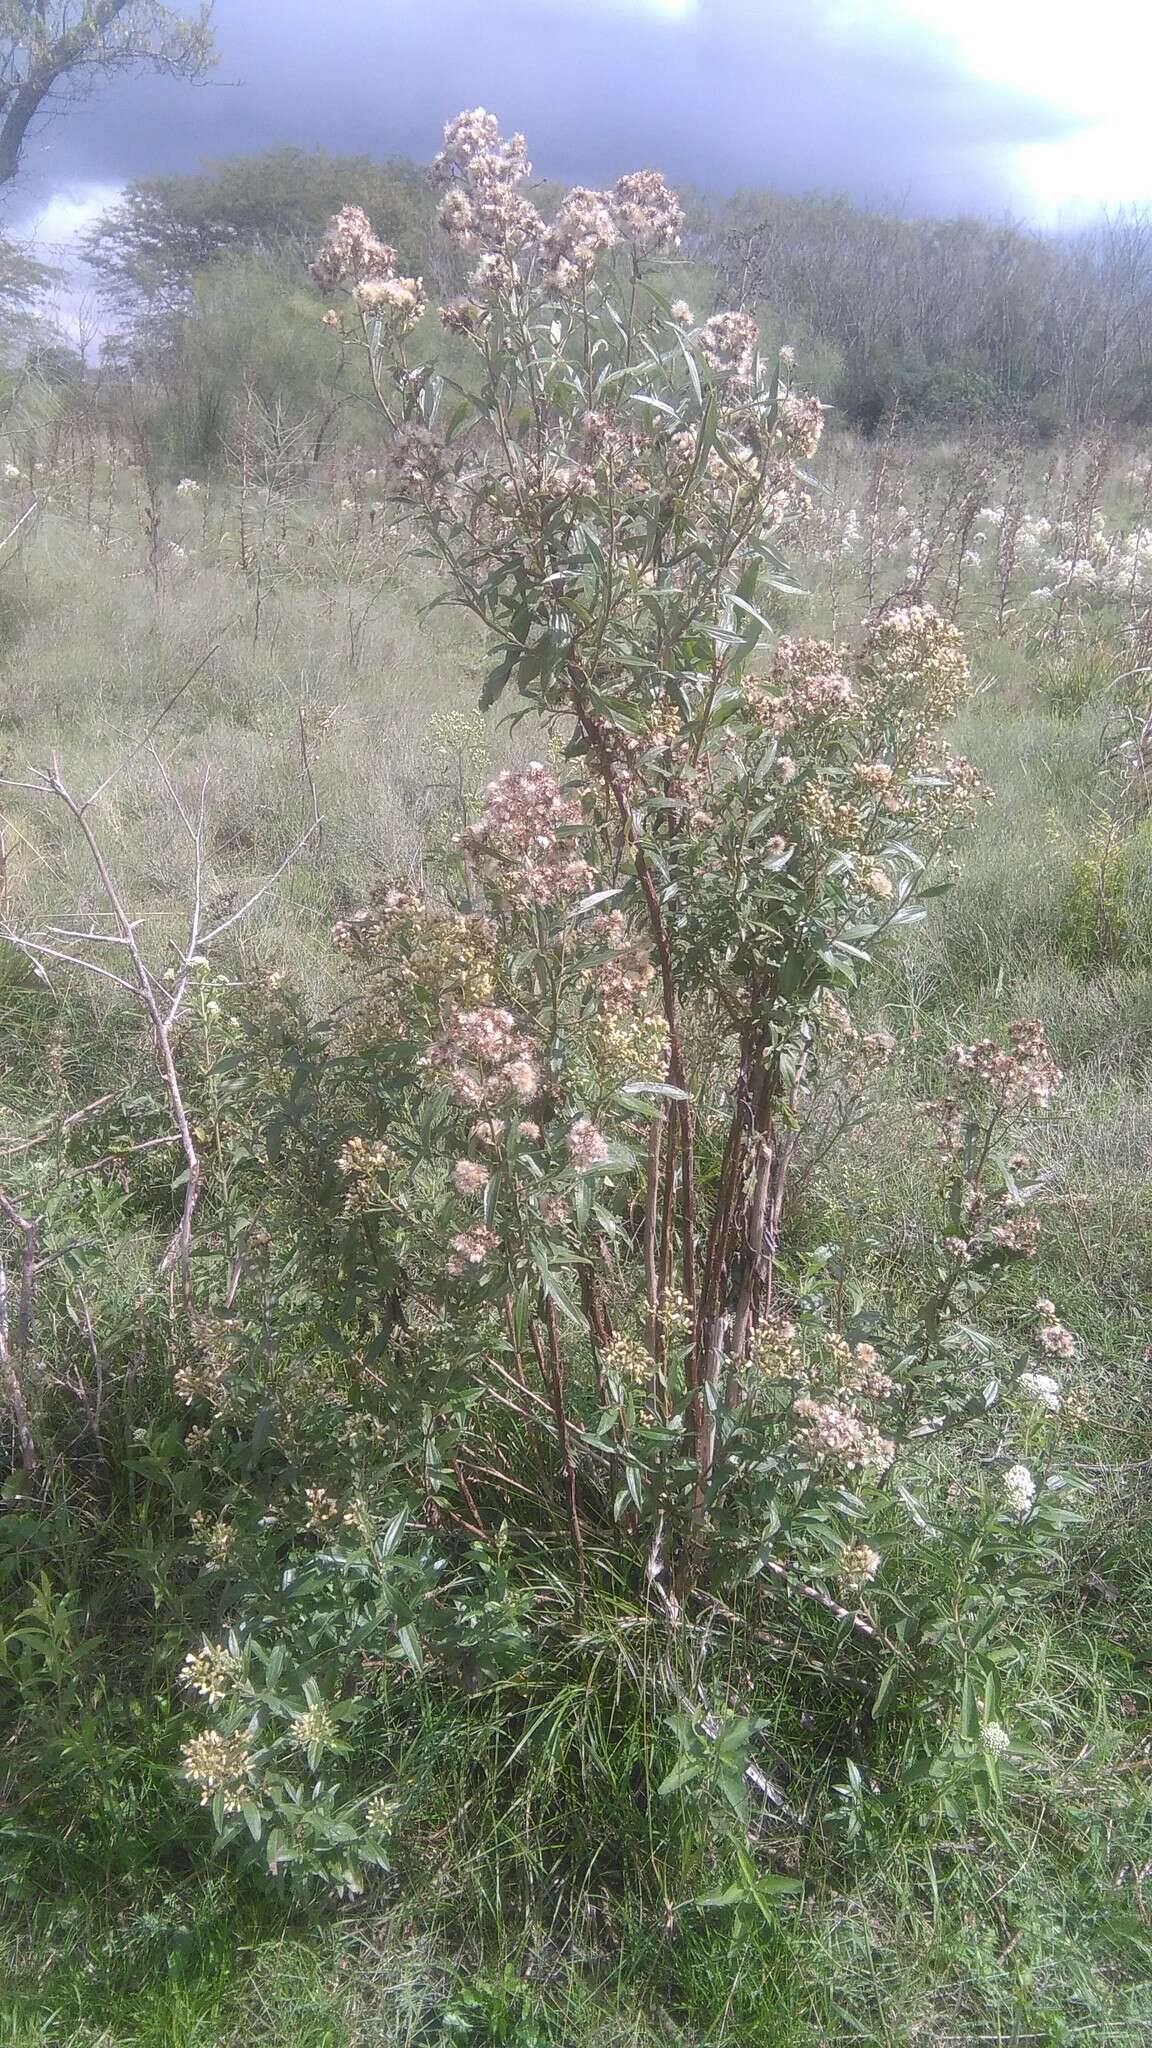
x=663 y=10
x=1093 y=65
x=64 y=217
x=54 y=231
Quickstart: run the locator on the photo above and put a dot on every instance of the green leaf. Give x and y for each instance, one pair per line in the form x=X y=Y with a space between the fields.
x=686 y=1772
x=409 y=1642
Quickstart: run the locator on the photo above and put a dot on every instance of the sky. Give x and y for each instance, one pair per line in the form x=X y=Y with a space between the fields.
x=1028 y=107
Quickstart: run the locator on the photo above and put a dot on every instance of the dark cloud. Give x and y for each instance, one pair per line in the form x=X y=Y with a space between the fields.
x=741 y=93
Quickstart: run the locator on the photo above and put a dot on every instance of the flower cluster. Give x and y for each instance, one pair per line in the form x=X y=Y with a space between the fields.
x=204 y=1376
x=623 y=975
x=1019 y=1491
x=315 y=1727
x=220 y=1767
x=799 y=424
x=470 y=1177
x=523 y=843
x=400 y=299
x=628 y=1045
x=775 y=1352
x=471 y=1248
x=1055 y=1340
x=587 y=1146
x=367 y=1165
x=647 y=212
x=354 y=258
x=322 y=1511
x=1026 y=1076
x=215 y=1538
x=351 y=253
x=483 y=207
x=808 y=680
x=627 y=1361
x=913 y=664
x=582 y=230
x=858 y=1565
x=728 y=345
x=211 y=1672
x=482 y=171
x=1041 y=1389
x=859 y=1371
x=838 y=1436
x=418 y=951
x=481 y=1058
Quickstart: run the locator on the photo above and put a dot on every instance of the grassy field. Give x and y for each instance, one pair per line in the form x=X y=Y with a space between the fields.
x=303 y=668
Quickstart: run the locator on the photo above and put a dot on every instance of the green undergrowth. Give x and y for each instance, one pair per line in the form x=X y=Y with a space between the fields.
x=523 y=1907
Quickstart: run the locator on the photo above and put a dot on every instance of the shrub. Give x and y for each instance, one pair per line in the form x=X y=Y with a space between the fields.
x=606 y=1384
x=530 y=1468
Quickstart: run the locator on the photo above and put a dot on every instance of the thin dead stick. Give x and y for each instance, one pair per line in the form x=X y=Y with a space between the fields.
x=309 y=775
x=58 y=1126
x=218 y=930
x=197 y=669
x=160 y=1003
x=27 y=514
x=129 y=1152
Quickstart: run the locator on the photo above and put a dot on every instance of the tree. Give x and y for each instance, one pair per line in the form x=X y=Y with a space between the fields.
x=165 y=231
x=53 y=51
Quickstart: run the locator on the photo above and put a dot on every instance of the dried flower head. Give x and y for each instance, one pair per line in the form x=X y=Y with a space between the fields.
x=587 y=1146
x=481 y=1058
x=524 y=842
x=582 y=229
x=647 y=211
x=728 y=345
x=838 y=1436
x=350 y=253
x=471 y=1248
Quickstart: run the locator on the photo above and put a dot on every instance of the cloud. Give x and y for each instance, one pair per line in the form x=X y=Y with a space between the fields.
x=57 y=225
x=800 y=94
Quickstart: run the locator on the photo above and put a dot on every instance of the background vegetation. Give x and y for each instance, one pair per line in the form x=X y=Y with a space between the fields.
x=215 y=493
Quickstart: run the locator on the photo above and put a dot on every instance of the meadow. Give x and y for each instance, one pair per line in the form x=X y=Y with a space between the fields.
x=267 y=635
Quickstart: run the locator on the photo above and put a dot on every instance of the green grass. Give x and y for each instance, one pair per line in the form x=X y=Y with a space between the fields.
x=1033 y=1928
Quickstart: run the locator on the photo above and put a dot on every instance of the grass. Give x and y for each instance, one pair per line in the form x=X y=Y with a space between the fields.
x=1033 y=1930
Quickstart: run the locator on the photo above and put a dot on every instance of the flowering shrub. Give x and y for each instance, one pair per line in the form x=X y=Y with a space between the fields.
x=583 y=1079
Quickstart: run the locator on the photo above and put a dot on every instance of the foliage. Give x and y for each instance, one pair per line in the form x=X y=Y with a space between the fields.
x=621 y=1088
x=852 y=1750
x=151 y=246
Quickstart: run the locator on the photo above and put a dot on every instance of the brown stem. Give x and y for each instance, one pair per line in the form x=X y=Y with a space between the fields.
x=552 y=1373
x=677 y=1069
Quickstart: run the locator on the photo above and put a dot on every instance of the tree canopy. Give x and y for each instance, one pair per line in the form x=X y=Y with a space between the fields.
x=166 y=230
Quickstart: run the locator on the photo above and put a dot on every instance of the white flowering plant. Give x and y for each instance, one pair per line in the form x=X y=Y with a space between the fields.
x=577 y=1345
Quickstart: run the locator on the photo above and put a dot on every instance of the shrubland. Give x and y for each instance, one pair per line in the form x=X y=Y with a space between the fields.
x=574 y=1272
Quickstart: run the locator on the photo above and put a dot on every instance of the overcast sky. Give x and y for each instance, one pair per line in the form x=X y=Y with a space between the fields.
x=1027 y=106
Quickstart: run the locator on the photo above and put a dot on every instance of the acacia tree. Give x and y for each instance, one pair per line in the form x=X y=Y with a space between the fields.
x=163 y=232
x=52 y=52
